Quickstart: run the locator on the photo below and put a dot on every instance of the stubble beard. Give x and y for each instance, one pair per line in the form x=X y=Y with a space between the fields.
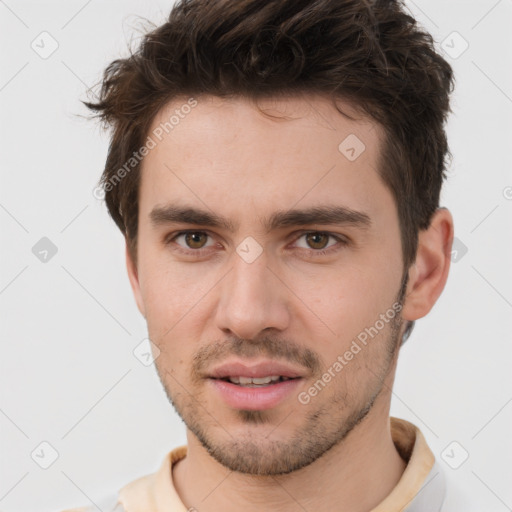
x=323 y=427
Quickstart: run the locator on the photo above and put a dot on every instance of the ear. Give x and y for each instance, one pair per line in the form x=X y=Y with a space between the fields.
x=134 y=280
x=429 y=272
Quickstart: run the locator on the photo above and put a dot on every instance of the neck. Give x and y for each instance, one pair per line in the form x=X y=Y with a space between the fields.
x=355 y=475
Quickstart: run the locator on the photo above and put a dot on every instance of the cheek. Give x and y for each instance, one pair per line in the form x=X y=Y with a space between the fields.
x=347 y=302
x=167 y=300
x=176 y=300
x=169 y=289
x=170 y=322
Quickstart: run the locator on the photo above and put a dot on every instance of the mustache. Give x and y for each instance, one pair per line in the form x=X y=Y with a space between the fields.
x=268 y=346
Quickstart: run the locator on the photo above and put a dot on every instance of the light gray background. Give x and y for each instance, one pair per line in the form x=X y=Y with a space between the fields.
x=69 y=325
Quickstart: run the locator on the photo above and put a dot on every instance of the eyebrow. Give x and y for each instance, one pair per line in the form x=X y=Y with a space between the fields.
x=332 y=215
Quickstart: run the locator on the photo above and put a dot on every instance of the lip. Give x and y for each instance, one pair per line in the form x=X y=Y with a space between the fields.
x=257 y=370
x=254 y=398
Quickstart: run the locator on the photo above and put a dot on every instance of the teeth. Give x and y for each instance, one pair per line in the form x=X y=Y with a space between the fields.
x=256 y=381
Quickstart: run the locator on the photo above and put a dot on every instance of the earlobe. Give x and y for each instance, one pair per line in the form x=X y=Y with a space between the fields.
x=133 y=276
x=428 y=274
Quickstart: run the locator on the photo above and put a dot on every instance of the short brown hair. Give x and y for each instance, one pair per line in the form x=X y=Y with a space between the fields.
x=371 y=53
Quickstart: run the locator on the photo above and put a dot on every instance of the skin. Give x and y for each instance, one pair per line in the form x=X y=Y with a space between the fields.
x=204 y=304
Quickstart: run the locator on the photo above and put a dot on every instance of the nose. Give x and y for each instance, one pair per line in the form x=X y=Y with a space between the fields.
x=252 y=299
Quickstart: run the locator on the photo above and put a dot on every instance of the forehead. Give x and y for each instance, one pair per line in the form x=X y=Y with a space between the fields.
x=187 y=121
x=238 y=155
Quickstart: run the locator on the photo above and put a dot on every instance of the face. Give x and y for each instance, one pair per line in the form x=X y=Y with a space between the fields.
x=269 y=270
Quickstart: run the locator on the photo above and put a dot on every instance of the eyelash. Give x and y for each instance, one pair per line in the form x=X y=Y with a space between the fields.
x=316 y=252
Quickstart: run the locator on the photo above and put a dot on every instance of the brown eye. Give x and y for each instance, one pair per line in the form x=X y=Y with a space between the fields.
x=191 y=243
x=317 y=240
x=320 y=243
x=195 y=240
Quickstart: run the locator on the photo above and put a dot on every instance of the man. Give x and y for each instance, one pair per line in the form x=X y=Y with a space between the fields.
x=275 y=167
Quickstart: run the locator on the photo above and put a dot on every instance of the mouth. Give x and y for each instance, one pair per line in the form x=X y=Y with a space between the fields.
x=263 y=372
x=257 y=382
x=253 y=385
